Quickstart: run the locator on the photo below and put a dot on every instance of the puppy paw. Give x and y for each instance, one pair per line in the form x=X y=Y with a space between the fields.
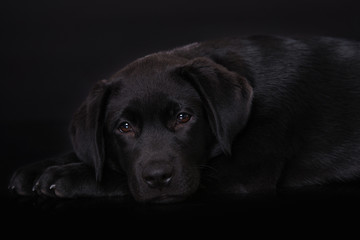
x=71 y=180
x=66 y=181
x=23 y=180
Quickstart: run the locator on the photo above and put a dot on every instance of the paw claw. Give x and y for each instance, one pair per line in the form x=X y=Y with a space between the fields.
x=52 y=186
x=11 y=188
x=35 y=187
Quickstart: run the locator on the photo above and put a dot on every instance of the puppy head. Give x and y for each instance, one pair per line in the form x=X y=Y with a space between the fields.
x=158 y=120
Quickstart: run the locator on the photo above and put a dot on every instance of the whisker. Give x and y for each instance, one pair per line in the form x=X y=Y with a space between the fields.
x=207 y=167
x=209 y=175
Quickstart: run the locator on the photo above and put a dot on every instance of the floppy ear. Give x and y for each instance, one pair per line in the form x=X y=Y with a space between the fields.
x=226 y=97
x=86 y=130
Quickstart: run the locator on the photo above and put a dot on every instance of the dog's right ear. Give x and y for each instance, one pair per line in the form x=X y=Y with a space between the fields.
x=227 y=97
x=87 y=125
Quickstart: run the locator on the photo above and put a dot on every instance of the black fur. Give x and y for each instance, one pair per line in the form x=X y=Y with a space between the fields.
x=255 y=114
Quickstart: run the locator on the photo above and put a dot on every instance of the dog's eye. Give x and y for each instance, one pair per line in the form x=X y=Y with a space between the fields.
x=125 y=127
x=183 y=117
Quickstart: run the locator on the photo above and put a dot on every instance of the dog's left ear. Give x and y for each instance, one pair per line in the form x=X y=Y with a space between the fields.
x=87 y=127
x=226 y=97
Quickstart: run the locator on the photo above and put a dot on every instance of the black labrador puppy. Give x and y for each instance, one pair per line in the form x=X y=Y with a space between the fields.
x=234 y=116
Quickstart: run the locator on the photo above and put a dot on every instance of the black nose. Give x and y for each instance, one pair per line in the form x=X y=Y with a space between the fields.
x=157 y=175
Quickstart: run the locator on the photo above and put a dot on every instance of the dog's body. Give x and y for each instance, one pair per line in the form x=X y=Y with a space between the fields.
x=253 y=114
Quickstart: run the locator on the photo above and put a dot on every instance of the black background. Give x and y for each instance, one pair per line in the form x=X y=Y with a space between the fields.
x=53 y=52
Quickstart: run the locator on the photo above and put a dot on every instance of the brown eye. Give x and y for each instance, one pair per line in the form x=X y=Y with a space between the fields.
x=125 y=127
x=183 y=117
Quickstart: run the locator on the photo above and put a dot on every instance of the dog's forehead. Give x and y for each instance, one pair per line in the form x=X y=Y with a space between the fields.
x=152 y=81
x=144 y=85
x=154 y=74
x=154 y=64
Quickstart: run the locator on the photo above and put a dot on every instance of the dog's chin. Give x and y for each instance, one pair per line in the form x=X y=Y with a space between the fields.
x=162 y=199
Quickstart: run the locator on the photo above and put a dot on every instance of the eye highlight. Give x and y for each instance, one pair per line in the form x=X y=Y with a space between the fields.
x=183 y=117
x=125 y=127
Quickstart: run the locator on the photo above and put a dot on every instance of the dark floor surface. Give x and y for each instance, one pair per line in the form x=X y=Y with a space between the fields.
x=338 y=199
